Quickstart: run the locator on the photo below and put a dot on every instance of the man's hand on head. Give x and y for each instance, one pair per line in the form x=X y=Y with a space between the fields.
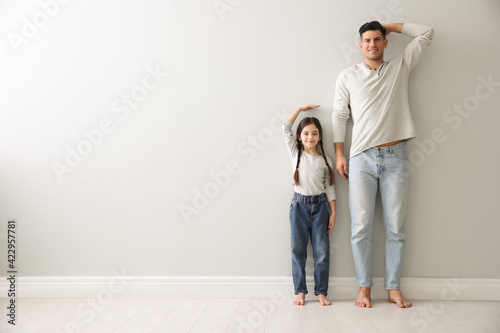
x=392 y=27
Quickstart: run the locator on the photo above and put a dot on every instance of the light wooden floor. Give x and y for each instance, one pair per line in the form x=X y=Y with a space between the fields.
x=58 y=315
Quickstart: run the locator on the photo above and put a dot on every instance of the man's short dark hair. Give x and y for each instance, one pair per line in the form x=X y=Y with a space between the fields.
x=373 y=25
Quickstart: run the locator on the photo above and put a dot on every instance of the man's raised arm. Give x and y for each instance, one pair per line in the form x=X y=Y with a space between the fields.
x=422 y=36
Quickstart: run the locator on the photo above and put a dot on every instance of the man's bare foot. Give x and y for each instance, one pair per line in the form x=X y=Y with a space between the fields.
x=300 y=299
x=395 y=296
x=323 y=300
x=364 y=299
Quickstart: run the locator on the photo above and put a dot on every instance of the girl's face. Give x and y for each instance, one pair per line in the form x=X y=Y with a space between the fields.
x=310 y=136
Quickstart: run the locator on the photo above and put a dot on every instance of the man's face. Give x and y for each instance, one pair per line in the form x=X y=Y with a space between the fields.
x=373 y=45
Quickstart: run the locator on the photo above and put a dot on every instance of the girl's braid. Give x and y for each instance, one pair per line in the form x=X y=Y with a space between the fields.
x=296 y=174
x=330 y=170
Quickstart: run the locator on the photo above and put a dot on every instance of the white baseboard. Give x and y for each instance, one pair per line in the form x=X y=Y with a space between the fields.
x=242 y=287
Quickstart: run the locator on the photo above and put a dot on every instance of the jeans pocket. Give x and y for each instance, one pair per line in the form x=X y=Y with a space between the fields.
x=401 y=154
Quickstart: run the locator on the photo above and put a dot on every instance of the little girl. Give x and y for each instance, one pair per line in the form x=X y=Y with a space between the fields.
x=309 y=213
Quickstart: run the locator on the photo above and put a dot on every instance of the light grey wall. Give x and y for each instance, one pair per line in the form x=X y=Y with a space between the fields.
x=234 y=72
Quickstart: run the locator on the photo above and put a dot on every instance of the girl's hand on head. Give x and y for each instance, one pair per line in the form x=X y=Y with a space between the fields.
x=307 y=107
x=295 y=113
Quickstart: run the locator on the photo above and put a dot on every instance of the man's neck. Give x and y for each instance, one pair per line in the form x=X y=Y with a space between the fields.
x=374 y=64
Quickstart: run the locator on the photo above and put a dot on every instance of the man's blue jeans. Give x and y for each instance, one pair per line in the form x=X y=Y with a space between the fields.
x=309 y=217
x=385 y=168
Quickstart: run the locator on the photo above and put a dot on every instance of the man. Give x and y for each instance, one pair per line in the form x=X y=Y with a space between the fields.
x=375 y=94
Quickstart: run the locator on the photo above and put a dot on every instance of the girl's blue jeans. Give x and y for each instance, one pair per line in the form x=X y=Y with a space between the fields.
x=309 y=217
x=384 y=168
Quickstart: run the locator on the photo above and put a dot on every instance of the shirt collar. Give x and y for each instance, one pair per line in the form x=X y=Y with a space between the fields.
x=380 y=67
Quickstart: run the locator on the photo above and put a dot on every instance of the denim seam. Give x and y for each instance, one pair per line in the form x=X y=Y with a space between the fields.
x=392 y=288
x=301 y=291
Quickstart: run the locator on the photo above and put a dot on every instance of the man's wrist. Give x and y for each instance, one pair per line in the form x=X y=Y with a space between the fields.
x=339 y=149
x=393 y=27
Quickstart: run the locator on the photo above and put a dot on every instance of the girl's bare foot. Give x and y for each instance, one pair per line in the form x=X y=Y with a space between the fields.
x=300 y=299
x=323 y=300
x=395 y=296
x=364 y=299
